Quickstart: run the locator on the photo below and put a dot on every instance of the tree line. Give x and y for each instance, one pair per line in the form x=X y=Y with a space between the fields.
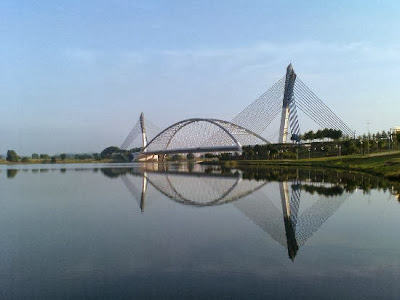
x=328 y=133
x=319 y=146
x=12 y=156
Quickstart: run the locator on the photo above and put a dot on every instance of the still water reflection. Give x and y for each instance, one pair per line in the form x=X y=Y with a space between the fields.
x=185 y=230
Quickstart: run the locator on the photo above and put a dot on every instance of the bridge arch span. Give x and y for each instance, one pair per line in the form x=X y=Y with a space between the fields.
x=199 y=135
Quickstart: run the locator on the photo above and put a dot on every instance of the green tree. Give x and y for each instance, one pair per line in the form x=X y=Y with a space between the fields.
x=350 y=147
x=63 y=156
x=12 y=156
x=108 y=152
x=335 y=134
x=25 y=159
x=318 y=135
x=190 y=156
x=35 y=156
x=44 y=156
x=308 y=135
x=96 y=156
x=53 y=159
x=326 y=133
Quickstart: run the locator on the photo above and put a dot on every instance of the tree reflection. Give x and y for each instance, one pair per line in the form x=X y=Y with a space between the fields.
x=11 y=173
x=323 y=190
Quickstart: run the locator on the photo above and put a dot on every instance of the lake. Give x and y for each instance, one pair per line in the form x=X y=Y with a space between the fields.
x=190 y=231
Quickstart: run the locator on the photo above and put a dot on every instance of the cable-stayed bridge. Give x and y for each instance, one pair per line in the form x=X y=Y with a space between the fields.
x=286 y=98
x=280 y=214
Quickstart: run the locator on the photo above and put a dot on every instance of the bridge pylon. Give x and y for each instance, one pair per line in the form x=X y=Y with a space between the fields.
x=288 y=98
x=142 y=156
x=143 y=131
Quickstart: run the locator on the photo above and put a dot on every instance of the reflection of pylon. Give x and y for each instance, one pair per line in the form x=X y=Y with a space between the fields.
x=144 y=190
x=291 y=241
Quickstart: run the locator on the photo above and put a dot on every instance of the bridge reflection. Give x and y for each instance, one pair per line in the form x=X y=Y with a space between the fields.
x=290 y=211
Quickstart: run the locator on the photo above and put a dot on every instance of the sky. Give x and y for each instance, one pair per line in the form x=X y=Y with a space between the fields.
x=75 y=75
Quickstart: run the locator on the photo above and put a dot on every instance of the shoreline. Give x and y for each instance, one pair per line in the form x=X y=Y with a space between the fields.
x=385 y=164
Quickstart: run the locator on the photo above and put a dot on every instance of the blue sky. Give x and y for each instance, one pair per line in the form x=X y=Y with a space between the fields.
x=75 y=75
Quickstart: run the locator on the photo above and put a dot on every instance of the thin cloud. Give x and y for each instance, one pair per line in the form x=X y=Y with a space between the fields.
x=361 y=51
x=81 y=55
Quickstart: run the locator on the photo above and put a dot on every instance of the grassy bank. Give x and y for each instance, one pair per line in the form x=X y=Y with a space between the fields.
x=383 y=164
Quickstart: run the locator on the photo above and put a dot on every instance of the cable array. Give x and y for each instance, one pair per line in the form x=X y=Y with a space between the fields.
x=318 y=111
x=295 y=202
x=259 y=114
x=151 y=132
x=133 y=134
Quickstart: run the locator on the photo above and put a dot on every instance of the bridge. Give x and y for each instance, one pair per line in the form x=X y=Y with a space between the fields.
x=280 y=216
x=287 y=97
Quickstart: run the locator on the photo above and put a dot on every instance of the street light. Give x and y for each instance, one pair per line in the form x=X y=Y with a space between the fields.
x=362 y=147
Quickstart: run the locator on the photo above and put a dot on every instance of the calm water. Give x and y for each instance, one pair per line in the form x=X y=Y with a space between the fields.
x=185 y=231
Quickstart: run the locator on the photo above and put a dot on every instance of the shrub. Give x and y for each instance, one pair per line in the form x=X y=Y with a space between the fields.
x=12 y=156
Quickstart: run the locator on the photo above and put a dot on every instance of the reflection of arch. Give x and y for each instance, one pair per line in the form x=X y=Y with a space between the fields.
x=202 y=135
x=201 y=189
x=183 y=199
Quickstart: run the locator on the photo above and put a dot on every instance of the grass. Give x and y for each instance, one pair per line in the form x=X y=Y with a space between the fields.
x=382 y=164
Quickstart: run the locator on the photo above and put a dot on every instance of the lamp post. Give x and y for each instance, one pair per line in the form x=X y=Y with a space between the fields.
x=362 y=147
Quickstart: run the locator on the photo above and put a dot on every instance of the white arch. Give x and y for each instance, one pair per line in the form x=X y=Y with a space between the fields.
x=176 y=127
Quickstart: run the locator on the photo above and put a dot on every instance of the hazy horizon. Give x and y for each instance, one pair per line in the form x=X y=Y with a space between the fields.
x=76 y=75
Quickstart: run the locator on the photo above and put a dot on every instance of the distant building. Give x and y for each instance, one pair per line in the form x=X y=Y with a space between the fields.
x=396 y=129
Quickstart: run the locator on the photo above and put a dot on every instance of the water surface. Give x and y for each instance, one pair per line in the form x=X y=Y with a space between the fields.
x=169 y=231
